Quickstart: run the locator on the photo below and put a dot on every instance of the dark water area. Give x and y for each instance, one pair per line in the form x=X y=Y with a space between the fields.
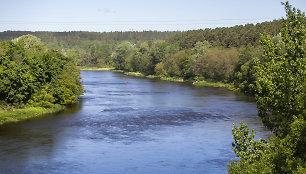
x=126 y=124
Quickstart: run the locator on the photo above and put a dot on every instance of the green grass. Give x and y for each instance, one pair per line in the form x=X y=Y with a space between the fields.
x=137 y=74
x=86 y=68
x=172 y=79
x=213 y=84
x=16 y=115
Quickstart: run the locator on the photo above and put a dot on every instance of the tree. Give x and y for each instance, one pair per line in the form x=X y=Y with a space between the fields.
x=255 y=156
x=244 y=72
x=281 y=91
x=31 y=74
x=280 y=74
x=27 y=41
x=123 y=50
x=287 y=155
x=157 y=54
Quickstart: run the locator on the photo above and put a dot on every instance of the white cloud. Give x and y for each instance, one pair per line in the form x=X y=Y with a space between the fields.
x=109 y=10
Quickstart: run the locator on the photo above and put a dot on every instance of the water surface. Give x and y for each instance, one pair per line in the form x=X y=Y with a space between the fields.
x=125 y=124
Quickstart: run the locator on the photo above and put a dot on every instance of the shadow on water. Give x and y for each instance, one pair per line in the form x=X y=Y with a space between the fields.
x=67 y=112
x=19 y=140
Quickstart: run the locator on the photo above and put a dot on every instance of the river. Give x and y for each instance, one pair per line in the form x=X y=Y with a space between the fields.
x=125 y=124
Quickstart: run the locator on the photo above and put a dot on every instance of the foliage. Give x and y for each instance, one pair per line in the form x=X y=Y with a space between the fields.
x=27 y=41
x=31 y=74
x=218 y=64
x=236 y=36
x=254 y=155
x=285 y=155
x=95 y=48
x=122 y=51
x=76 y=36
x=243 y=75
x=280 y=74
x=280 y=87
x=164 y=59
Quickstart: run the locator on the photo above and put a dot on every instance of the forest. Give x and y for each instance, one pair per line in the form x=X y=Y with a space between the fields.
x=266 y=60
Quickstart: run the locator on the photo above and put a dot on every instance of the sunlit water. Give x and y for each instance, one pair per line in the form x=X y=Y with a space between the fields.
x=125 y=124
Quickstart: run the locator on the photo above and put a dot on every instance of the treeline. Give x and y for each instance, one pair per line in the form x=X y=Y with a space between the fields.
x=96 y=49
x=227 y=37
x=33 y=75
x=73 y=36
x=88 y=48
x=201 y=62
x=164 y=59
x=221 y=54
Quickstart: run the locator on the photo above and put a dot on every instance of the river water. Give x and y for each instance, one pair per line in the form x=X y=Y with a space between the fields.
x=125 y=124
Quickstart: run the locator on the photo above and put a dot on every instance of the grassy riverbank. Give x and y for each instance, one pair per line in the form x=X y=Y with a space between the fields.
x=179 y=79
x=207 y=83
x=86 y=68
x=15 y=115
x=213 y=84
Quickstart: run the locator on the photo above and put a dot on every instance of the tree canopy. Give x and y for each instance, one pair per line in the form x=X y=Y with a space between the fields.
x=32 y=74
x=280 y=97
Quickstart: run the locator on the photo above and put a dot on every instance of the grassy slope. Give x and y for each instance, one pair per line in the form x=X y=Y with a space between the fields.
x=15 y=115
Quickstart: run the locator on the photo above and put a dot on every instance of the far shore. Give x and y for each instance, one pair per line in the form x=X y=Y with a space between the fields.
x=95 y=69
x=206 y=83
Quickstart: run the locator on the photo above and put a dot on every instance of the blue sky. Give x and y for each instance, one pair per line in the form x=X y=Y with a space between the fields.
x=127 y=15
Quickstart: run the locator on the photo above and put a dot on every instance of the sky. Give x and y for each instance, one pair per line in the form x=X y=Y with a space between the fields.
x=136 y=15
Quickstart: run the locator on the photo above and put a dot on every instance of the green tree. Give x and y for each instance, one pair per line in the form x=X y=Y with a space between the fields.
x=287 y=155
x=122 y=51
x=200 y=48
x=281 y=74
x=244 y=72
x=158 y=52
x=31 y=74
x=281 y=102
x=255 y=156
x=27 y=41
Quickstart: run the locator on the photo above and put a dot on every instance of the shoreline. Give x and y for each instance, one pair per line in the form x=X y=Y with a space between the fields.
x=203 y=83
x=83 y=68
x=16 y=115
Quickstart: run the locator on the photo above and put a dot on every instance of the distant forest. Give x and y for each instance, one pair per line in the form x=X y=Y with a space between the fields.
x=71 y=36
x=236 y=36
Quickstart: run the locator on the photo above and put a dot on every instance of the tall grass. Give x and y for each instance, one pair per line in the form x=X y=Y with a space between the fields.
x=16 y=115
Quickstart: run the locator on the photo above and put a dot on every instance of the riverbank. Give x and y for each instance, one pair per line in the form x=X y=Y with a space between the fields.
x=138 y=74
x=206 y=83
x=15 y=115
x=85 y=68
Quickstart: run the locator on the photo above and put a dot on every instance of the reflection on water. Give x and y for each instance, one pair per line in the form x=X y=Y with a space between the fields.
x=143 y=126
